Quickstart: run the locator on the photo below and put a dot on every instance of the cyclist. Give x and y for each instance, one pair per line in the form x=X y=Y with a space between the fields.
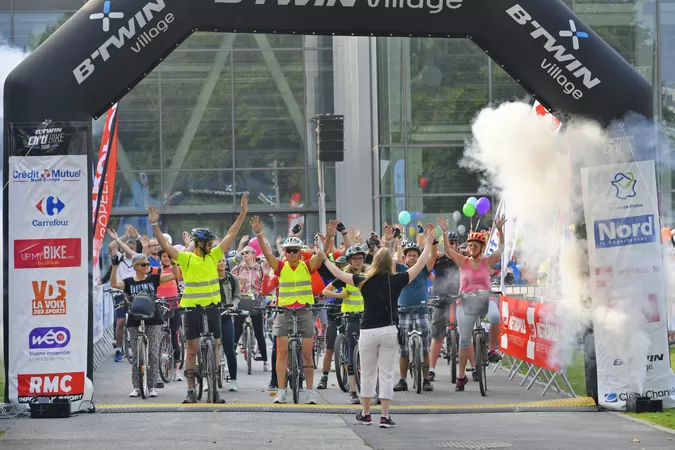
x=170 y=290
x=148 y=283
x=446 y=282
x=413 y=295
x=378 y=344
x=229 y=295
x=474 y=273
x=352 y=302
x=202 y=286
x=250 y=274
x=295 y=290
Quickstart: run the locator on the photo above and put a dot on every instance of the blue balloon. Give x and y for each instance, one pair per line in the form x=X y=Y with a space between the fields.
x=473 y=201
x=404 y=218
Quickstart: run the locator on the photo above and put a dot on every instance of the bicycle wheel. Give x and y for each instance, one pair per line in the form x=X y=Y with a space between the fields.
x=480 y=369
x=340 y=359
x=453 y=351
x=181 y=342
x=211 y=371
x=417 y=364
x=199 y=371
x=248 y=345
x=142 y=365
x=357 y=368
x=166 y=363
x=295 y=372
x=315 y=348
x=127 y=347
x=222 y=367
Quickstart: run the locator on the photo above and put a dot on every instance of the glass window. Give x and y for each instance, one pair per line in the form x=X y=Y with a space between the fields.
x=197 y=110
x=207 y=189
x=203 y=40
x=392 y=171
x=504 y=87
x=32 y=29
x=5 y=5
x=261 y=41
x=5 y=29
x=436 y=170
x=46 y=5
x=390 y=207
x=138 y=125
x=272 y=188
x=137 y=190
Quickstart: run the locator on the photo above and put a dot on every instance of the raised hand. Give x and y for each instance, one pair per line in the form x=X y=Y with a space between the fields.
x=144 y=241
x=332 y=226
x=443 y=223
x=186 y=238
x=256 y=224
x=499 y=222
x=113 y=234
x=244 y=238
x=388 y=234
x=279 y=239
x=430 y=234
x=244 y=204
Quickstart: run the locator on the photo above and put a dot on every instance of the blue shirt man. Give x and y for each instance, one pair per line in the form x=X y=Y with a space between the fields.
x=416 y=291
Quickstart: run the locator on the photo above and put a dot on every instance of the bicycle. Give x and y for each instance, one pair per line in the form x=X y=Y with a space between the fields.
x=223 y=369
x=415 y=359
x=452 y=333
x=341 y=352
x=206 y=357
x=476 y=304
x=126 y=340
x=167 y=362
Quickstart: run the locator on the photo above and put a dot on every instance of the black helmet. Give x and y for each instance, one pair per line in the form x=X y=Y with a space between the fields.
x=202 y=235
x=412 y=246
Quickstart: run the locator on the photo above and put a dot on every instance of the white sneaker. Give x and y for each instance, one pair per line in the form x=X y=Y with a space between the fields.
x=178 y=375
x=234 y=387
x=267 y=367
x=310 y=397
x=281 y=397
x=153 y=393
x=135 y=393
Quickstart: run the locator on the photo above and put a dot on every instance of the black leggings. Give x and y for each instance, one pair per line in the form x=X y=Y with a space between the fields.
x=174 y=325
x=353 y=332
x=257 y=322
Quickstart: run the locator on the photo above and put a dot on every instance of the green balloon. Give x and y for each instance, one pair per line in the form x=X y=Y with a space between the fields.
x=469 y=210
x=439 y=232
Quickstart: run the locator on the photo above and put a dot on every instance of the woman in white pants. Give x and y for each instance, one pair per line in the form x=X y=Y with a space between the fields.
x=378 y=344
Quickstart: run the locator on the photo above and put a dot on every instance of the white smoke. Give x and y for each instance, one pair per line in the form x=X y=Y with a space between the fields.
x=537 y=175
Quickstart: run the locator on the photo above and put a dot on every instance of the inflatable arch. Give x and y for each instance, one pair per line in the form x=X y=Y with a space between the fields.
x=108 y=46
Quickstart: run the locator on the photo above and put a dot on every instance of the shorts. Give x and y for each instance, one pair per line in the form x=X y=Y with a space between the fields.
x=193 y=324
x=283 y=324
x=440 y=319
x=331 y=332
x=121 y=312
x=406 y=322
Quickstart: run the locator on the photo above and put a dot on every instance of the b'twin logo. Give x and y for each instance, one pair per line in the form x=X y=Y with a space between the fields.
x=142 y=26
x=429 y=6
x=46 y=253
x=48 y=337
x=55 y=386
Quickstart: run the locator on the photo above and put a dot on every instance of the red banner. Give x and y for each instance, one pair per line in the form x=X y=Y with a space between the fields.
x=530 y=332
x=104 y=182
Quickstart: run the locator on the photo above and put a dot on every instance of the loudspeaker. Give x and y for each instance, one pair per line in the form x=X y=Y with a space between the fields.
x=58 y=409
x=330 y=138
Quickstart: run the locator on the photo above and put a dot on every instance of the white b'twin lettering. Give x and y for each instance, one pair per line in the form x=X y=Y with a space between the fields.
x=561 y=59
x=140 y=26
x=433 y=6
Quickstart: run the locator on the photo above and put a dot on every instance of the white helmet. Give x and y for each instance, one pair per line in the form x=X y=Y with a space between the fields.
x=292 y=242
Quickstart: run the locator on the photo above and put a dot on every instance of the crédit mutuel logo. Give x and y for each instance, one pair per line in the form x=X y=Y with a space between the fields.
x=142 y=28
x=563 y=67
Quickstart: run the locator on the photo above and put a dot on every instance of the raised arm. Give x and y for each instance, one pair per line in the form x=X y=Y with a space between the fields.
x=114 y=282
x=256 y=225
x=430 y=236
x=236 y=226
x=242 y=242
x=153 y=216
x=337 y=273
x=458 y=258
x=496 y=256
x=432 y=255
x=124 y=247
x=174 y=275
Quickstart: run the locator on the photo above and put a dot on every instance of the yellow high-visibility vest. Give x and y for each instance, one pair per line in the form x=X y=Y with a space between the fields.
x=295 y=286
x=353 y=303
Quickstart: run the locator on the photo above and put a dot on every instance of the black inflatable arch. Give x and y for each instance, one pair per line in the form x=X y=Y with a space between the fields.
x=107 y=47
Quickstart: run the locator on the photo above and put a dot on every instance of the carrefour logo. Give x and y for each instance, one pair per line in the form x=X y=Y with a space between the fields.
x=46 y=175
x=50 y=206
x=625 y=231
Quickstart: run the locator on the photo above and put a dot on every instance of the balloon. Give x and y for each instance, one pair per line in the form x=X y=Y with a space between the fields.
x=469 y=210
x=461 y=230
x=404 y=218
x=457 y=216
x=423 y=182
x=439 y=232
x=419 y=216
x=483 y=206
x=472 y=200
x=412 y=231
x=253 y=243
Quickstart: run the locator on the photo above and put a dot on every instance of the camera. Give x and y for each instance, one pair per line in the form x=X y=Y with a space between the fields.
x=341 y=228
x=297 y=229
x=397 y=233
x=373 y=243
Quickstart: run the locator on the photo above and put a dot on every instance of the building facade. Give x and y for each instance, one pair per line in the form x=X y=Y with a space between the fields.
x=229 y=113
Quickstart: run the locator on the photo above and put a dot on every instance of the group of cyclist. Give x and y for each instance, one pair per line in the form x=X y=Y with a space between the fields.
x=366 y=285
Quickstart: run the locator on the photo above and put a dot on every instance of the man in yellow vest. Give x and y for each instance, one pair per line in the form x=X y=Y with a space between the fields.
x=295 y=291
x=202 y=285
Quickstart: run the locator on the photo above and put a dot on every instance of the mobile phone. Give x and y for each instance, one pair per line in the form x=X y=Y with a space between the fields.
x=297 y=228
x=397 y=233
x=340 y=227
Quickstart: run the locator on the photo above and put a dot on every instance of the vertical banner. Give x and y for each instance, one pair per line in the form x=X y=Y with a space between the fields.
x=49 y=288
x=627 y=283
x=104 y=185
x=295 y=219
x=493 y=242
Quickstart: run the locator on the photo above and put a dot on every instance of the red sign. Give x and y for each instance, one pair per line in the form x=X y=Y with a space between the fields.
x=69 y=385
x=49 y=299
x=46 y=253
x=530 y=332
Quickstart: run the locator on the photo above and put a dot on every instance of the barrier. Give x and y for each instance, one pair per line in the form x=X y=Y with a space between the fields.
x=104 y=321
x=528 y=336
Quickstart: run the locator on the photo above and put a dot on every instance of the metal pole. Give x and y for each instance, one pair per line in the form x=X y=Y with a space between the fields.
x=322 y=199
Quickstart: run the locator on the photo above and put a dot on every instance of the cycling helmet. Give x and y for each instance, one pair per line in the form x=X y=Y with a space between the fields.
x=202 y=235
x=355 y=250
x=292 y=242
x=452 y=236
x=477 y=237
x=412 y=246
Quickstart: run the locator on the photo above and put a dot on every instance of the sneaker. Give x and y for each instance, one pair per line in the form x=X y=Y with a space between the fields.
x=386 y=422
x=323 y=383
x=234 y=387
x=427 y=386
x=135 y=393
x=118 y=355
x=494 y=356
x=273 y=386
x=179 y=375
x=364 y=420
x=191 y=396
x=432 y=375
x=281 y=397
x=459 y=387
x=402 y=385
x=159 y=385
x=153 y=393
x=474 y=375
x=267 y=367
x=354 y=399
x=310 y=397
x=218 y=399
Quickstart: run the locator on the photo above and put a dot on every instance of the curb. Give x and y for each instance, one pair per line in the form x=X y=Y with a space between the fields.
x=635 y=419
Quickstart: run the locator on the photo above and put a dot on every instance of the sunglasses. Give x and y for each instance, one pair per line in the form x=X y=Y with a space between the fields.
x=247 y=253
x=292 y=250
x=143 y=264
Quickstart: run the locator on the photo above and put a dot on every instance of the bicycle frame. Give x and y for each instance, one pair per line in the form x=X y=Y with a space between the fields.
x=414 y=336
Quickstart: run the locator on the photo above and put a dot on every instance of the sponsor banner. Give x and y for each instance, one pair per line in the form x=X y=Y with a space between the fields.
x=493 y=242
x=295 y=219
x=530 y=332
x=49 y=225
x=48 y=138
x=627 y=283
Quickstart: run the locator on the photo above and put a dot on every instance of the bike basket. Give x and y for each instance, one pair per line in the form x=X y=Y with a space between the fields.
x=475 y=303
x=249 y=304
x=143 y=305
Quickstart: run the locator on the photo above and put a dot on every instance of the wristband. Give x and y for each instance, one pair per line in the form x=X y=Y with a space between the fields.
x=154 y=224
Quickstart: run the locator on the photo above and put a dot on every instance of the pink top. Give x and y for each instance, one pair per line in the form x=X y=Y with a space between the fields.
x=471 y=280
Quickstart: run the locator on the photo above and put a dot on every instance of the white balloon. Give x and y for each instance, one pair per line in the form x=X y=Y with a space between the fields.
x=457 y=216
x=461 y=230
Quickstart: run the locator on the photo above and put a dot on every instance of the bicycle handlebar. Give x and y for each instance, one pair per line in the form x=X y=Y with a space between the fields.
x=282 y=309
x=218 y=306
x=411 y=309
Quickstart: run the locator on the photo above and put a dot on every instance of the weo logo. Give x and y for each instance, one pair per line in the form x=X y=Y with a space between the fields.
x=625 y=231
x=56 y=386
x=46 y=253
x=139 y=21
x=572 y=65
x=49 y=299
x=48 y=337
